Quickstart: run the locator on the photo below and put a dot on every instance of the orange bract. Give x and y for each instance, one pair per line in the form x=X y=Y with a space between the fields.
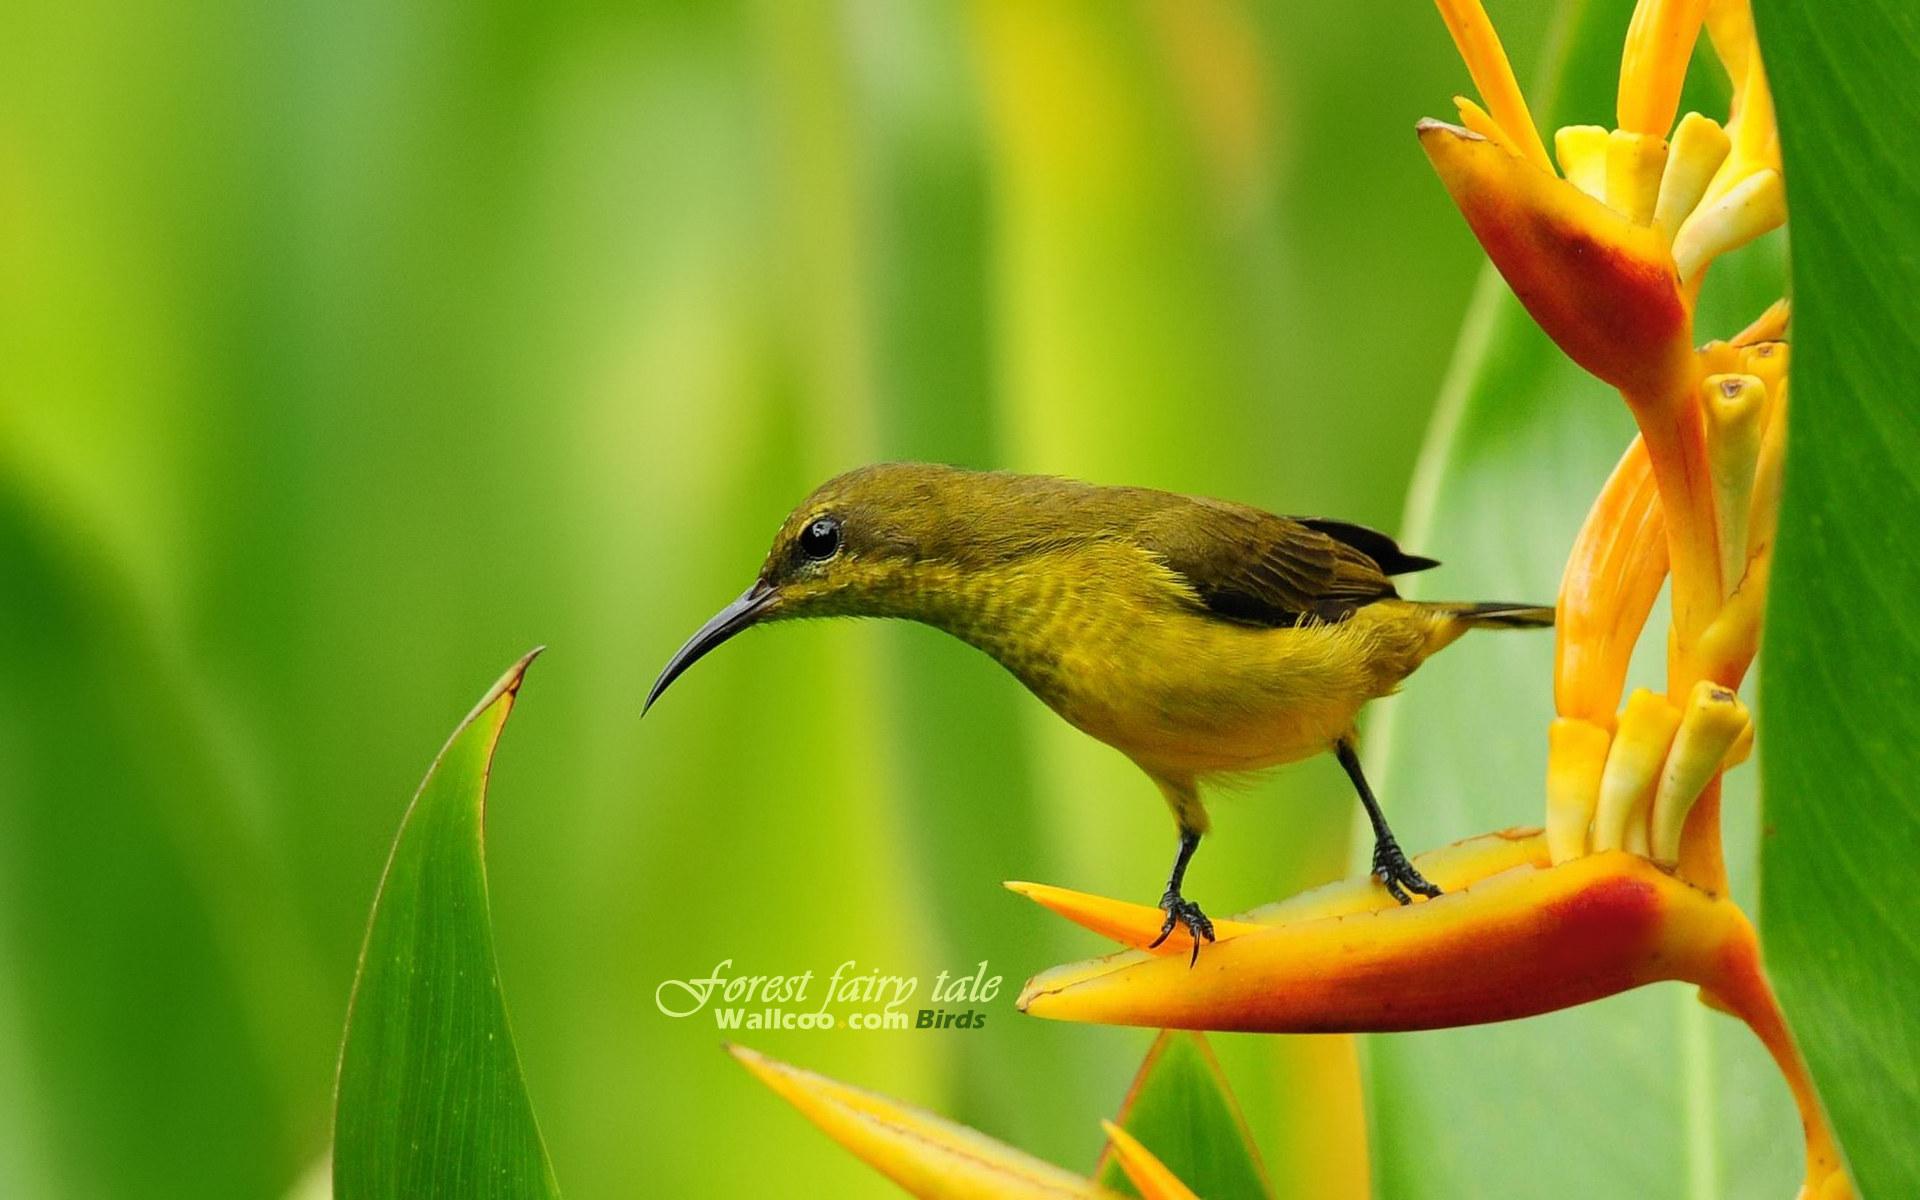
x=1604 y=288
x=930 y=1156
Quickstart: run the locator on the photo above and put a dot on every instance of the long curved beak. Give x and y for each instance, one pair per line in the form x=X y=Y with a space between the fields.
x=725 y=623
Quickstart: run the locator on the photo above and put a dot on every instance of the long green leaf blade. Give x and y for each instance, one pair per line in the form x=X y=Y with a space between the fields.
x=431 y=1101
x=1842 y=748
x=154 y=980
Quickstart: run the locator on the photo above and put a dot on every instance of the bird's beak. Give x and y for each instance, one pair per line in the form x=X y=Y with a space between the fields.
x=725 y=623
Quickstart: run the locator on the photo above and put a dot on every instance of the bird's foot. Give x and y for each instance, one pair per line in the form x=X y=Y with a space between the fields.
x=1182 y=911
x=1390 y=867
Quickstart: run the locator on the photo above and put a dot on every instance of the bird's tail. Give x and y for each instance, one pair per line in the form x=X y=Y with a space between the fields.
x=1447 y=621
x=1496 y=614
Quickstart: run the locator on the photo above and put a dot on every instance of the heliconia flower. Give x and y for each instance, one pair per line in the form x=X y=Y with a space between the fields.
x=1626 y=885
x=1608 y=256
x=1613 y=575
x=1616 y=568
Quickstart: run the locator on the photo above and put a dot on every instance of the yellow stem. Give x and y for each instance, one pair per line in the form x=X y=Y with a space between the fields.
x=1676 y=437
x=1743 y=991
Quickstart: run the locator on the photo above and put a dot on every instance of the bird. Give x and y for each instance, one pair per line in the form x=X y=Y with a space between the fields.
x=1203 y=639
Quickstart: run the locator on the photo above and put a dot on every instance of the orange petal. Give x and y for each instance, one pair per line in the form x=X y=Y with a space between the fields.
x=1653 y=64
x=1576 y=759
x=1601 y=286
x=1526 y=941
x=927 y=1155
x=1133 y=925
x=1730 y=28
x=1479 y=46
x=1769 y=326
x=1613 y=576
x=1481 y=122
x=1148 y=1174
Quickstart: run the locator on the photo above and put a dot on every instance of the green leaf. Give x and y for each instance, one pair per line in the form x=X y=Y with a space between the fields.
x=431 y=1102
x=1181 y=1109
x=155 y=982
x=1647 y=1094
x=1842 y=749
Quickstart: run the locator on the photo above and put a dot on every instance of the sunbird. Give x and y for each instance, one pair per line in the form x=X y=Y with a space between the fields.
x=1201 y=638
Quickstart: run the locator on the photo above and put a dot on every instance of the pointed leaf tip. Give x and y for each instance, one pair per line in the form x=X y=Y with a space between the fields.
x=430 y=1098
x=507 y=687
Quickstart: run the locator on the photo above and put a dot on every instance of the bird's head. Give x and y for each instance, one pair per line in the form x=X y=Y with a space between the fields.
x=873 y=542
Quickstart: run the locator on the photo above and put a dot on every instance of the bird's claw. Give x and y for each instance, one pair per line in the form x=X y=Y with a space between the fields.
x=1182 y=911
x=1391 y=868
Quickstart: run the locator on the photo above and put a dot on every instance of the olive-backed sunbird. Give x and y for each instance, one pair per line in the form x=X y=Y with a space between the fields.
x=1199 y=637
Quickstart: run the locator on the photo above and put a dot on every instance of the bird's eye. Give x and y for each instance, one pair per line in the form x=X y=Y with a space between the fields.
x=821 y=539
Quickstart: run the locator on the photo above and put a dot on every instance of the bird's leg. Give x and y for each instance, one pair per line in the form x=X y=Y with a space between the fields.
x=1389 y=861
x=1178 y=908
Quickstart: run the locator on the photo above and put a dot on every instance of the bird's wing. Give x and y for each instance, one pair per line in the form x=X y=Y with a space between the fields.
x=1383 y=550
x=1254 y=566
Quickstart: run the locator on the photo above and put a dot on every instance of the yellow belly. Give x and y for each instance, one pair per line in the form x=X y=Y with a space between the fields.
x=1186 y=696
x=1114 y=644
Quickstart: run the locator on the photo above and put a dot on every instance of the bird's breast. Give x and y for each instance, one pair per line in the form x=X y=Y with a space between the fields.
x=1121 y=650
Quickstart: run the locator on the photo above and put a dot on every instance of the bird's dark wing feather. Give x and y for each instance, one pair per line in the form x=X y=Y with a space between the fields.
x=1372 y=543
x=1253 y=566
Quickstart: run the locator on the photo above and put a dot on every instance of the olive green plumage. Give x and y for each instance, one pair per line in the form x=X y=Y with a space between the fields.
x=1199 y=637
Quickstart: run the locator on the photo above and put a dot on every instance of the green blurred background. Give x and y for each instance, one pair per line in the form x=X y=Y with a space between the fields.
x=347 y=351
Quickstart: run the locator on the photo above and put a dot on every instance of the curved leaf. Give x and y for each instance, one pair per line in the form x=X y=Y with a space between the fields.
x=431 y=1102
x=1646 y=1094
x=1843 y=643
